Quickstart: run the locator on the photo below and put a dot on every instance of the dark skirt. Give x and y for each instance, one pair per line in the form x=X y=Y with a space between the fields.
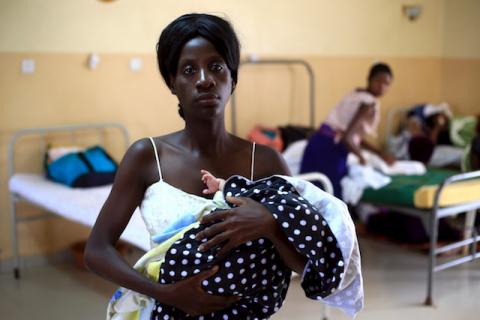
x=323 y=154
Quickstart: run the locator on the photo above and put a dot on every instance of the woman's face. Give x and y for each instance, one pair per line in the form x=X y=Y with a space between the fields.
x=203 y=83
x=379 y=84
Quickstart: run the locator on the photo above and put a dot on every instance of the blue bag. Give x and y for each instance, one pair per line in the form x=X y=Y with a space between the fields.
x=90 y=168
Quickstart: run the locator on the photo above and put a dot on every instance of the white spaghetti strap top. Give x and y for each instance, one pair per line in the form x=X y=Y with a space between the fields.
x=252 y=162
x=156 y=158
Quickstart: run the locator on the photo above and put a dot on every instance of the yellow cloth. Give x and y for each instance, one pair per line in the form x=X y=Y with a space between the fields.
x=453 y=194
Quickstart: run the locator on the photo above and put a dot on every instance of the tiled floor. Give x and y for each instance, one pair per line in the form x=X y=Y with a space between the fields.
x=394 y=289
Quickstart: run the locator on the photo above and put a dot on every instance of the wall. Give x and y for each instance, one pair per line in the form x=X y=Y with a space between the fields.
x=340 y=39
x=461 y=65
x=342 y=27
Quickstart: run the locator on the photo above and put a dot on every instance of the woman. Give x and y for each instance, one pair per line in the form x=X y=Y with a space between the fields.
x=198 y=56
x=355 y=116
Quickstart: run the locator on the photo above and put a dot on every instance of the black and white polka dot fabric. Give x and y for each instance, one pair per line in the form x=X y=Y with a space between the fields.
x=254 y=270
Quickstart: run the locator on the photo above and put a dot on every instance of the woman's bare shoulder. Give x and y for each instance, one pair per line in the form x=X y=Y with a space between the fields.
x=269 y=162
x=142 y=151
x=170 y=140
x=137 y=157
x=139 y=160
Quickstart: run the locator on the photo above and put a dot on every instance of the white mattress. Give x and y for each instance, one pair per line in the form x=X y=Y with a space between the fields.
x=79 y=205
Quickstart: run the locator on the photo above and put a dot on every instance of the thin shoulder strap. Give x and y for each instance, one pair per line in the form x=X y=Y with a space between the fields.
x=156 y=157
x=253 y=161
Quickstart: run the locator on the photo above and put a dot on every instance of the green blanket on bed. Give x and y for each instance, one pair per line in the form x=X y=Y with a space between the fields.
x=401 y=190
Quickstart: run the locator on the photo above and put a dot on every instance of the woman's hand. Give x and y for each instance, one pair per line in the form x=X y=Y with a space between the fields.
x=189 y=296
x=388 y=158
x=249 y=221
x=362 y=160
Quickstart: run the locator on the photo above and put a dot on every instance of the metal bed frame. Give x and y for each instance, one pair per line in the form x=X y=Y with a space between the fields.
x=287 y=62
x=432 y=216
x=15 y=198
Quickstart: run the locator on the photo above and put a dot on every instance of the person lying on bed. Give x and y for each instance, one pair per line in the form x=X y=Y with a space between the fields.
x=345 y=128
x=424 y=125
x=252 y=269
x=198 y=56
x=434 y=136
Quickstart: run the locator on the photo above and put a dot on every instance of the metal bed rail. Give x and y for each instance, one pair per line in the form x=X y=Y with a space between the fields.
x=15 y=198
x=300 y=62
x=438 y=213
x=320 y=177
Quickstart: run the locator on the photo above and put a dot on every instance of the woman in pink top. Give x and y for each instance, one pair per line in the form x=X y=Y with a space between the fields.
x=354 y=117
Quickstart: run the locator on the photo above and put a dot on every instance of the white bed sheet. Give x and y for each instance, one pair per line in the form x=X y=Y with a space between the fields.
x=293 y=155
x=81 y=205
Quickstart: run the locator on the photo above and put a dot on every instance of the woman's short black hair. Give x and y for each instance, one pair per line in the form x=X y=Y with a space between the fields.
x=215 y=29
x=379 y=68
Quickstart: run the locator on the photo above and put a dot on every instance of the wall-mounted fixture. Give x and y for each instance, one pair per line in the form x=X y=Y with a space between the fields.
x=135 y=64
x=412 y=11
x=92 y=61
x=28 y=66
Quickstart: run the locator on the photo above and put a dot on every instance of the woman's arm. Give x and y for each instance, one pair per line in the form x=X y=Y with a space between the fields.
x=126 y=194
x=366 y=111
x=102 y=258
x=355 y=127
x=251 y=220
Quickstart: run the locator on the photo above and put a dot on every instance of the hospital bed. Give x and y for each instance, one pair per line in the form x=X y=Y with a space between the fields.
x=431 y=197
x=435 y=195
x=78 y=205
x=438 y=194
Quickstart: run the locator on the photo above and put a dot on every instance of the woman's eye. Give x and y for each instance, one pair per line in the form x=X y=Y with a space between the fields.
x=217 y=67
x=188 y=70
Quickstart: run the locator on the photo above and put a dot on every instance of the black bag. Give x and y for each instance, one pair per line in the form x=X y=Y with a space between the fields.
x=291 y=133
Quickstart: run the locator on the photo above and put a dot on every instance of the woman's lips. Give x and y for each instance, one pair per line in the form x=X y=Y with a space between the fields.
x=207 y=98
